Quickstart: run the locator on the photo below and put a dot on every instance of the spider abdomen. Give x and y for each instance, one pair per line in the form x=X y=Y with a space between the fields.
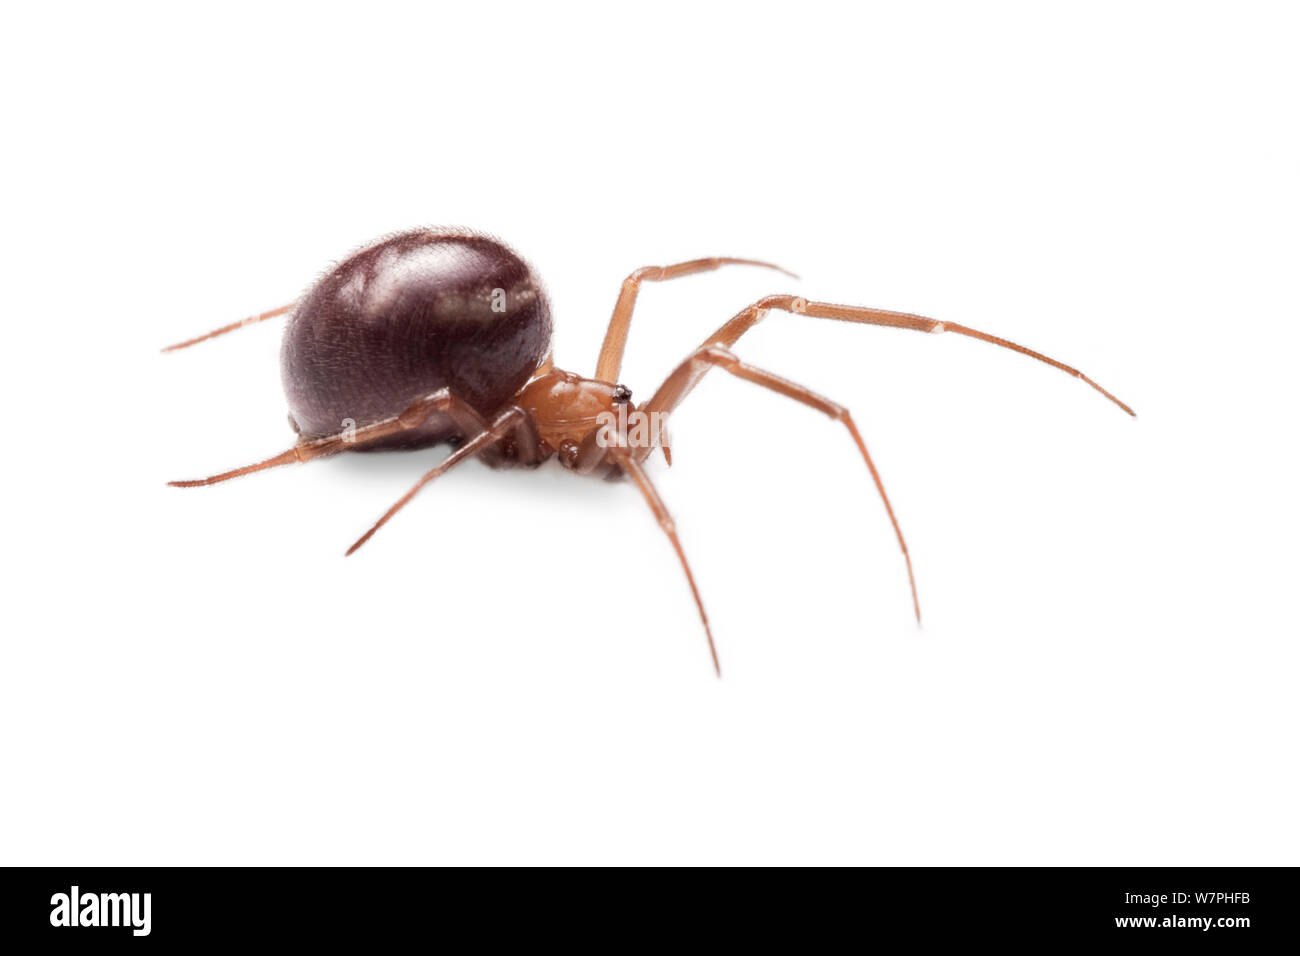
x=404 y=317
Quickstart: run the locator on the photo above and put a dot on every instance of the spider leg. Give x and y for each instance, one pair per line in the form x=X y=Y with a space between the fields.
x=501 y=427
x=633 y=468
x=748 y=317
x=611 y=351
x=413 y=417
x=251 y=320
x=684 y=378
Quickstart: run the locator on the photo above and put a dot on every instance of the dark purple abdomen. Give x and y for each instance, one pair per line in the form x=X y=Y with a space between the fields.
x=405 y=317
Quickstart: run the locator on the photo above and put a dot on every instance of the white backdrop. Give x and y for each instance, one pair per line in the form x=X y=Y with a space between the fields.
x=513 y=671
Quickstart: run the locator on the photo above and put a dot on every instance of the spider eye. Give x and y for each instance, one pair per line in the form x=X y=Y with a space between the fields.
x=622 y=394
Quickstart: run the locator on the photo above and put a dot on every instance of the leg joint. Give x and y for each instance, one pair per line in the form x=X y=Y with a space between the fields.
x=786 y=303
x=419 y=410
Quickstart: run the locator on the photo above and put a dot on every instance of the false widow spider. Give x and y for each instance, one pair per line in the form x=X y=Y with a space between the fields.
x=443 y=335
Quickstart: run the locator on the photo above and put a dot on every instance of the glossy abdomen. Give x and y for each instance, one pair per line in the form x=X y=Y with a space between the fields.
x=405 y=317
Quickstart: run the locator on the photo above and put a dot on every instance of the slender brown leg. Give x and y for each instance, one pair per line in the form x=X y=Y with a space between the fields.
x=679 y=384
x=414 y=416
x=251 y=320
x=633 y=468
x=611 y=352
x=748 y=317
x=510 y=419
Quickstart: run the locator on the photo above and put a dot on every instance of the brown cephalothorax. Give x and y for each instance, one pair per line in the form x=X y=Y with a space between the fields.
x=443 y=336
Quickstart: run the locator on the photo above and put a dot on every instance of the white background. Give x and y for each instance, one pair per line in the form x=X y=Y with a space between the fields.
x=513 y=671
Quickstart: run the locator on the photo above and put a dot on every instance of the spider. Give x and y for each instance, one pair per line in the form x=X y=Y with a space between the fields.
x=443 y=336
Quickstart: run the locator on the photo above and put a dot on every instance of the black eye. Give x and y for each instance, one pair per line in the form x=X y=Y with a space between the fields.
x=622 y=394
